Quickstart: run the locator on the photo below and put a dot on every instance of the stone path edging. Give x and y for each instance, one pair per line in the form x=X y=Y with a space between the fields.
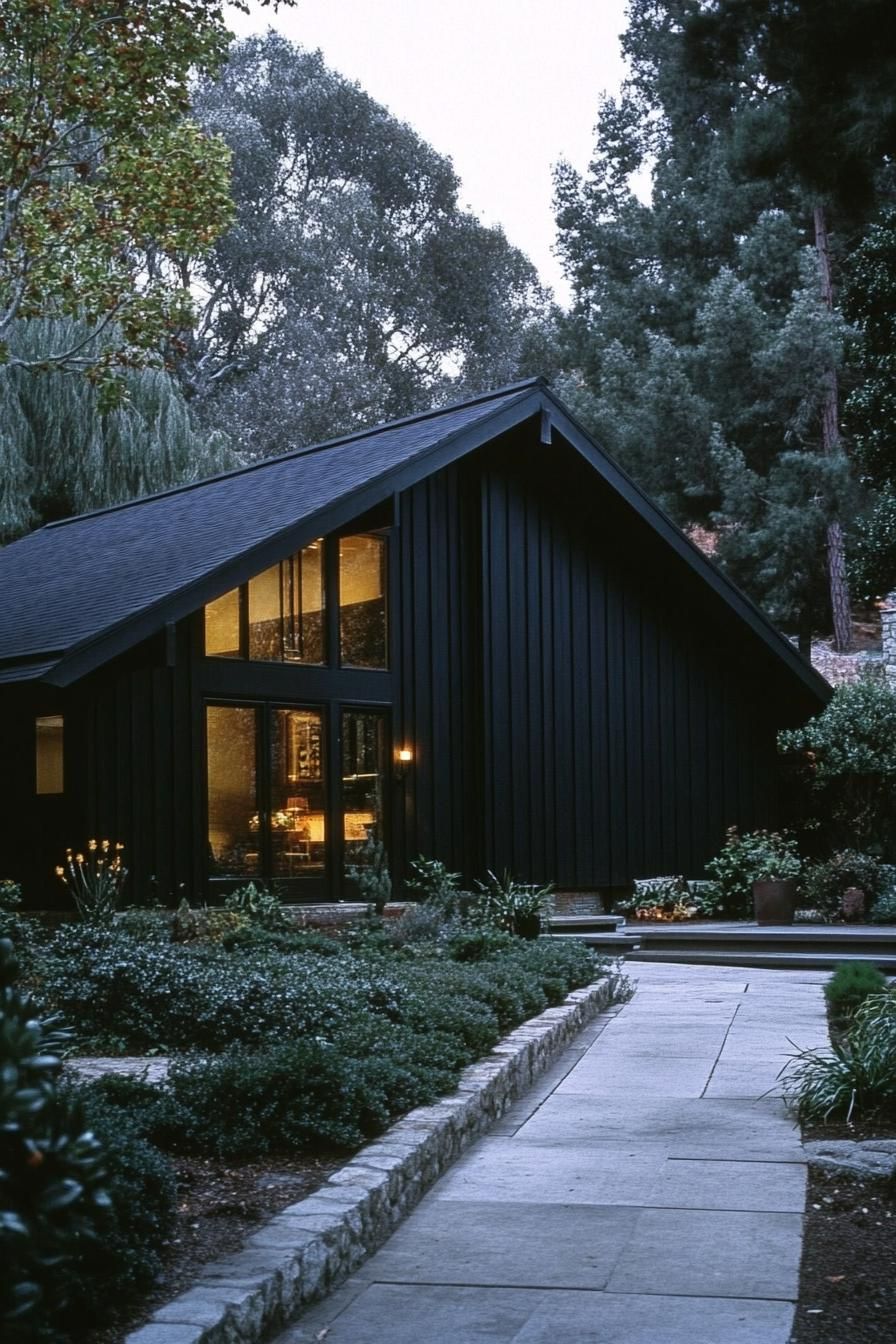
x=306 y=1250
x=859 y=1157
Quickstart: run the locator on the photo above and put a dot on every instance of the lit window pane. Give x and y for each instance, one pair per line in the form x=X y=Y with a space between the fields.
x=303 y=604
x=222 y=626
x=363 y=777
x=48 y=753
x=234 y=820
x=298 y=800
x=265 y=616
x=362 y=601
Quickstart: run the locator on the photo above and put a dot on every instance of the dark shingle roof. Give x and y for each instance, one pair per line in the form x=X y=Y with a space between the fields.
x=73 y=580
x=78 y=592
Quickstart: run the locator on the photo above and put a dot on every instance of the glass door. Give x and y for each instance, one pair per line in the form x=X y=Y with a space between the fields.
x=364 y=764
x=267 y=817
x=271 y=818
x=298 y=821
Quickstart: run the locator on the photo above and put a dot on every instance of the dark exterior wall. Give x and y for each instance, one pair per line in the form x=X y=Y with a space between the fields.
x=583 y=707
x=439 y=705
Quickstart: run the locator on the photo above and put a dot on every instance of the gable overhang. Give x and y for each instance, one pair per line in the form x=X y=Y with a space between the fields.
x=534 y=400
x=85 y=657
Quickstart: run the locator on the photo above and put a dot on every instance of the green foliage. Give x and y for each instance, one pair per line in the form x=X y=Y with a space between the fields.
x=52 y=1174
x=845 y=759
x=757 y=856
x=849 y=986
x=259 y=906
x=432 y=882
x=371 y=873
x=107 y=182
x=824 y=883
x=10 y=900
x=512 y=906
x=62 y=453
x=884 y=909
x=857 y=1075
x=126 y=1256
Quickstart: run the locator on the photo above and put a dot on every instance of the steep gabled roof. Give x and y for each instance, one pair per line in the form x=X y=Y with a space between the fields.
x=78 y=592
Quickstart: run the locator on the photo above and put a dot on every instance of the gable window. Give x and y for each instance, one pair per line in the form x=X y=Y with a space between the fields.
x=48 y=773
x=280 y=615
x=362 y=601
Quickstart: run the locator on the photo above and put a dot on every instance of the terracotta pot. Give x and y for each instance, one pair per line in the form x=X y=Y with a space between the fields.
x=773 y=902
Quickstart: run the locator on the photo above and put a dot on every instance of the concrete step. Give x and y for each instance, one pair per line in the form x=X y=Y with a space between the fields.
x=620 y=944
x=587 y=923
x=792 y=959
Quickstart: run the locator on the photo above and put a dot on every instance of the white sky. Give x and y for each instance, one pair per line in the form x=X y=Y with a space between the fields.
x=503 y=87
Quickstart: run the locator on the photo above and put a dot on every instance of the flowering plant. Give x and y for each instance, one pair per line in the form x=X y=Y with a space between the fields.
x=95 y=880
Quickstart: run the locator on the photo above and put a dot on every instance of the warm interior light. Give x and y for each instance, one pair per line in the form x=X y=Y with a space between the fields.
x=405 y=755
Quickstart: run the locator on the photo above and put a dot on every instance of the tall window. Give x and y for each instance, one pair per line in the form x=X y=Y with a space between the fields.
x=363 y=777
x=362 y=601
x=235 y=828
x=284 y=613
x=48 y=765
x=280 y=615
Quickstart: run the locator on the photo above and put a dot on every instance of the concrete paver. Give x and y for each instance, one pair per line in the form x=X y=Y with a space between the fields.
x=646 y=1190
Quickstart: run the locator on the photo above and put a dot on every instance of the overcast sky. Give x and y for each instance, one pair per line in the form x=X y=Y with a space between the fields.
x=504 y=87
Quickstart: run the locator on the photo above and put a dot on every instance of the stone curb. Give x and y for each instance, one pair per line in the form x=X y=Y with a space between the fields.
x=306 y=1250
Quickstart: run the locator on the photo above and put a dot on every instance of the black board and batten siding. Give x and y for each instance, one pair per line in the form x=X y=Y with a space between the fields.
x=580 y=713
x=586 y=700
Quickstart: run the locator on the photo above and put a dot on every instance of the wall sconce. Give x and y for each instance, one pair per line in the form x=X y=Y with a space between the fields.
x=404 y=759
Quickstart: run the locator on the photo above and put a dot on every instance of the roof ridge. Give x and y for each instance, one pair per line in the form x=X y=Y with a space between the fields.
x=307 y=450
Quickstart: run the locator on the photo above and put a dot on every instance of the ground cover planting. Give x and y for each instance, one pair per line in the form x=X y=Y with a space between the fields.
x=286 y=1048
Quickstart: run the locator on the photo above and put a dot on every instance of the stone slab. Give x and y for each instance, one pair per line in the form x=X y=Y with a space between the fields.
x=771 y=1187
x=700 y=1253
x=501 y=1170
x=528 y=1246
x=406 y=1314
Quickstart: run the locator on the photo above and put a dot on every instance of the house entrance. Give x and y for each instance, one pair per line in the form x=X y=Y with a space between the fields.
x=293 y=793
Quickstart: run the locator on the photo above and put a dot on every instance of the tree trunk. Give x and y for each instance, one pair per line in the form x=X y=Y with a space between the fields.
x=830 y=442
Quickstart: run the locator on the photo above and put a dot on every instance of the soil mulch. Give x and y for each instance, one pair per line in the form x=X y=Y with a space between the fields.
x=847 y=1292
x=219 y=1205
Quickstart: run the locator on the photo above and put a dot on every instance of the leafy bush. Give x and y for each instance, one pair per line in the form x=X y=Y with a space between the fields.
x=884 y=909
x=258 y=905
x=757 y=856
x=125 y=1256
x=432 y=883
x=10 y=900
x=858 y=1073
x=52 y=1179
x=296 y=1093
x=514 y=907
x=825 y=884
x=845 y=759
x=128 y=994
x=849 y=986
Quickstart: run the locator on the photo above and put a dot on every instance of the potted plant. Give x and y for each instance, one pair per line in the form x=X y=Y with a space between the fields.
x=775 y=880
x=514 y=907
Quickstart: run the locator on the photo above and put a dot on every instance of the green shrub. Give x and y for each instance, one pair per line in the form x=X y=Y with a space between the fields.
x=259 y=906
x=884 y=908
x=511 y=906
x=126 y=1255
x=757 y=856
x=857 y=1075
x=10 y=900
x=142 y=996
x=824 y=884
x=845 y=759
x=52 y=1178
x=849 y=987
x=305 y=1092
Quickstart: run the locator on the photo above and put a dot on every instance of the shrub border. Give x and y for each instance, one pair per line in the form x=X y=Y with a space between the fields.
x=307 y=1250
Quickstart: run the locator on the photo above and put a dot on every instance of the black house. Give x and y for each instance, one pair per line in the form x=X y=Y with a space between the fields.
x=468 y=632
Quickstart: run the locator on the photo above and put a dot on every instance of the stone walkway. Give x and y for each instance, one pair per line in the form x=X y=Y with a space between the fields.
x=649 y=1190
